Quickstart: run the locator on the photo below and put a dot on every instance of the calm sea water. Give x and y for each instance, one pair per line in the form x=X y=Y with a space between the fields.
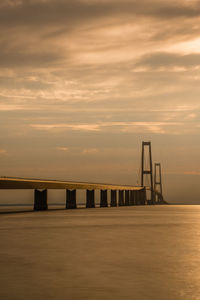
x=108 y=253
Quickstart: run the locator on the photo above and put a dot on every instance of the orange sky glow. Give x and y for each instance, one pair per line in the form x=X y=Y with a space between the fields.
x=84 y=82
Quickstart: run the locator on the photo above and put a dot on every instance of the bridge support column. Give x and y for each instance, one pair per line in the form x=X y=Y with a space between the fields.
x=121 y=198
x=40 y=200
x=70 y=199
x=144 y=198
x=136 y=198
x=151 y=201
x=104 y=199
x=113 y=201
x=90 y=202
x=131 y=201
x=158 y=199
x=126 y=198
x=141 y=197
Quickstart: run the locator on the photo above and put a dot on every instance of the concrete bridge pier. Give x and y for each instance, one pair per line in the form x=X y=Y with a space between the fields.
x=90 y=202
x=136 y=201
x=127 y=198
x=104 y=198
x=157 y=199
x=70 y=199
x=131 y=200
x=144 y=198
x=139 y=198
x=121 y=198
x=40 y=200
x=151 y=201
x=160 y=199
x=113 y=201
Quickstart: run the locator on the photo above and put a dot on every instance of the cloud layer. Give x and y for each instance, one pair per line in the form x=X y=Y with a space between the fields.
x=84 y=76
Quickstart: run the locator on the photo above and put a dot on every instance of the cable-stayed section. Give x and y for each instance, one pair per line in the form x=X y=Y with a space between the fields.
x=147 y=171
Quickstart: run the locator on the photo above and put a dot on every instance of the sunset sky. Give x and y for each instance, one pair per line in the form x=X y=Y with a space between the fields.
x=83 y=83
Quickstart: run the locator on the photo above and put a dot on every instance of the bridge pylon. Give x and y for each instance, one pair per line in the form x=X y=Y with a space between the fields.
x=158 y=183
x=147 y=170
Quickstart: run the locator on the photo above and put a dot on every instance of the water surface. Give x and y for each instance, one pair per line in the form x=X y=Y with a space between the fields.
x=143 y=252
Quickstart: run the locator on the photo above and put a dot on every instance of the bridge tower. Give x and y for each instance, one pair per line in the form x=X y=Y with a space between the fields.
x=147 y=170
x=158 y=182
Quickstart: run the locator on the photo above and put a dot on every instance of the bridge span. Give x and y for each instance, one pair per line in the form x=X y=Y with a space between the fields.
x=28 y=183
x=120 y=195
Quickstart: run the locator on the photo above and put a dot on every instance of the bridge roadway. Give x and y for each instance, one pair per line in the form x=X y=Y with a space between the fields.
x=24 y=183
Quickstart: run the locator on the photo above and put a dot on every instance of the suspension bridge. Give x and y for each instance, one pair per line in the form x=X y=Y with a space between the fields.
x=148 y=193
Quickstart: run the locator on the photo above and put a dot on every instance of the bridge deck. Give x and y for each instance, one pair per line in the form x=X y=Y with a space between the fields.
x=24 y=183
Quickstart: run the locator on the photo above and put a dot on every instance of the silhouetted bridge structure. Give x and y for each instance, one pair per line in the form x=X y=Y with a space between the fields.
x=120 y=195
